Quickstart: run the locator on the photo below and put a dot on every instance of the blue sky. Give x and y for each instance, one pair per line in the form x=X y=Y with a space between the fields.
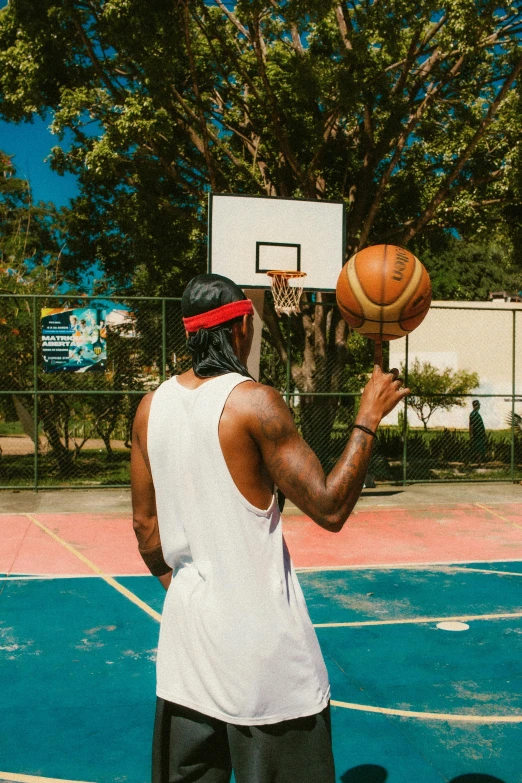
x=30 y=144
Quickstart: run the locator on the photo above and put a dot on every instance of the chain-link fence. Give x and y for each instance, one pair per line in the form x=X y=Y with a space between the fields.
x=463 y=419
x=73 y=429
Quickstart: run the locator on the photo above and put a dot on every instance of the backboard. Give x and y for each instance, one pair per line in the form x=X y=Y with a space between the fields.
x=250 y=235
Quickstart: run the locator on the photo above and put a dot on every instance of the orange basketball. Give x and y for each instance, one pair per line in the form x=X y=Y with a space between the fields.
x=383 y=292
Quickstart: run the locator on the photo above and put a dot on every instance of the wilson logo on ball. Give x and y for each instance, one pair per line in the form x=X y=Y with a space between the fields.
x=383 y=292
x=400 y=262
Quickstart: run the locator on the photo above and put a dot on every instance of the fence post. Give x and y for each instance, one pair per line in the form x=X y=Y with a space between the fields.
x=513 y=392
x=405 y=420
x=163 y=339
x=288 y=359
x=35 y=395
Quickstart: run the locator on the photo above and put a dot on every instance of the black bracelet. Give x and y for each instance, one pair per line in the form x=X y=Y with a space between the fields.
x=364 y=429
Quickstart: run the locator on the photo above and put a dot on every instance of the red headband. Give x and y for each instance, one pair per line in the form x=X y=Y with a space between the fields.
x=218 y=315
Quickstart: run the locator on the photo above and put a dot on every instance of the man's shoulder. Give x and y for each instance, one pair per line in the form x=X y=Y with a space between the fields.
x=143 y=410
x=251 y=399
x=263 y=411
x=255 y=392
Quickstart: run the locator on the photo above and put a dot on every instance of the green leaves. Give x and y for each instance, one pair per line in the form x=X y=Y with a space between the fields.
x=409 y=112
x=434 y=389
x=29 y=233
x=387 y=106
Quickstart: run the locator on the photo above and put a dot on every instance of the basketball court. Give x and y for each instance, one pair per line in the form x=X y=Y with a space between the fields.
x=417 y=605
x=417 y=602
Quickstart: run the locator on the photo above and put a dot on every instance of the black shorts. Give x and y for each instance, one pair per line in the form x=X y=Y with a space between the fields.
x=189 y=747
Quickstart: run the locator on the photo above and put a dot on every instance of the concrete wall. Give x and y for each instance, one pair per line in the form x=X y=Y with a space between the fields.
x=478 y=338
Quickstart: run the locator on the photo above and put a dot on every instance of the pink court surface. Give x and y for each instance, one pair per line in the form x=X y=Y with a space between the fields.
x=92 y=532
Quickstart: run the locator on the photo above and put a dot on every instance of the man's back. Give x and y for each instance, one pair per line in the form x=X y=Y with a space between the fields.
x=236 y=640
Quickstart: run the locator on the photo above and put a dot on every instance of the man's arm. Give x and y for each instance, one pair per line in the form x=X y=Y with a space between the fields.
x=144 y=515
x=294 y=467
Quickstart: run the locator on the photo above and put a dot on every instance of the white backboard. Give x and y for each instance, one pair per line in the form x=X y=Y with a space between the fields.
x=249 y=235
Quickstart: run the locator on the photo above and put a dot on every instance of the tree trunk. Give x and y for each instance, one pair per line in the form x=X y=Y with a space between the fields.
x=107 y=441
x=26 y=419
x=64 y=457
x=321 y=372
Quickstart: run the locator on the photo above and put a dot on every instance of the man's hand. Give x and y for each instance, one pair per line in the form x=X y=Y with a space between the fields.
x=380 y=396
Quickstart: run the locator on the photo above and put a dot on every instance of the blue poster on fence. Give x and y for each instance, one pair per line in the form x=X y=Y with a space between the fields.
x=74 y=340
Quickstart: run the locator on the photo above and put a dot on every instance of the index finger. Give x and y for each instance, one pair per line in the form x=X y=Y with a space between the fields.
x=377 y=356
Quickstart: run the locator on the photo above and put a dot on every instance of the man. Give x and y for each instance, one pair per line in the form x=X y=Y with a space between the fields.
x=241 y=682
x=477 y=434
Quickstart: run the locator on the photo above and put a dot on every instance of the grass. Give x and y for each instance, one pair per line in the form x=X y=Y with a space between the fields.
x=495 y=435
x=11 y=428
x=91 y=467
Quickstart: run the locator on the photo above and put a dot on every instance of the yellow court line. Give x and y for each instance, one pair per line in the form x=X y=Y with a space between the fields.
x=110 y=581
x=413 y=620
x=444 y=716
x=15 y=778
x=500 y=516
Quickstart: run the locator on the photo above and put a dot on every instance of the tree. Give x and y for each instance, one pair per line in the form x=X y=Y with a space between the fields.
x=433 y=389
x=470 y=270
x=409 y=112
x=31 y=239
x=29 y=232
x=28 y=243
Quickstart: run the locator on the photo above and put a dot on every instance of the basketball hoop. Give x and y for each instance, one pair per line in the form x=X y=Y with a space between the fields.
x=287 y=288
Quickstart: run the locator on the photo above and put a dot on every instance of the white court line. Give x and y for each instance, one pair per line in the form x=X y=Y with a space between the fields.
x=110 y=581
x=421 y=566
x=16 y=778
x=65 y=576
x=454 y=564
x=391 y=566
x=413 y=620
x=23 y=578
x=463 y=570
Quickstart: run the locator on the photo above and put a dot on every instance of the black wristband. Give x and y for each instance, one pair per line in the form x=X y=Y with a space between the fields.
x=364 y=429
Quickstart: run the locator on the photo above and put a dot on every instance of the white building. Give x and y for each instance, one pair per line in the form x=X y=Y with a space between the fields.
x=472 y=336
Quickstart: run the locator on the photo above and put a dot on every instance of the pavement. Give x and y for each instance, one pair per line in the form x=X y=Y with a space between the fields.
x=118 y=501
x=17 y=445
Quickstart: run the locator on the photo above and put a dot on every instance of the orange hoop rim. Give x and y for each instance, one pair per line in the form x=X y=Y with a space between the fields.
x=285 y=273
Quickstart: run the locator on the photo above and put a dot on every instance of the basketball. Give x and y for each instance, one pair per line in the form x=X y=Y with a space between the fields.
x=383 y=292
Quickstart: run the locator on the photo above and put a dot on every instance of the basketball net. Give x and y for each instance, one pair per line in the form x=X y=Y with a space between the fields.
x=287 y=288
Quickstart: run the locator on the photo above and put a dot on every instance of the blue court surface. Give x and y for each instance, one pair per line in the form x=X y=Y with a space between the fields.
x=411 y=702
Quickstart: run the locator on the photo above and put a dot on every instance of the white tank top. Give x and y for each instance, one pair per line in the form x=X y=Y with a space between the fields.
x=236 y=641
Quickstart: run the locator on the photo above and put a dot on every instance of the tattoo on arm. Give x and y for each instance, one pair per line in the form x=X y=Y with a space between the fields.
x=295 y=468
